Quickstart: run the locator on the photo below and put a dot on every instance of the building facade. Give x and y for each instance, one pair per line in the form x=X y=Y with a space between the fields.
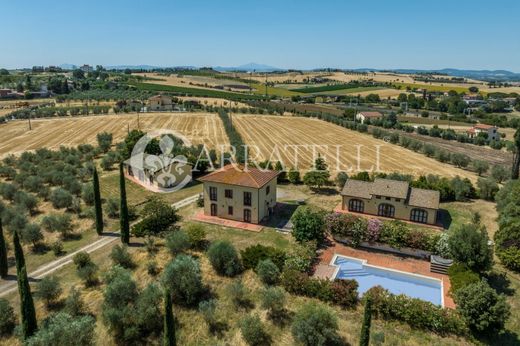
x=489 y=130
x=240 y=194
x=160 y=103
x=391 y=199
x=364 y=116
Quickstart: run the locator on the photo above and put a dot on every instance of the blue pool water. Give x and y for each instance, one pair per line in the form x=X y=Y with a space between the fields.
x=397 y=283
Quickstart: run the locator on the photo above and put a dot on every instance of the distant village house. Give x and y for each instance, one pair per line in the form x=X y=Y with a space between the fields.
x=490 y=130
x=363 y=116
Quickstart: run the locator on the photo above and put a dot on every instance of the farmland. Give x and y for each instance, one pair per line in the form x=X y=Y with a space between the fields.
x=51 y=133
x=268 y=132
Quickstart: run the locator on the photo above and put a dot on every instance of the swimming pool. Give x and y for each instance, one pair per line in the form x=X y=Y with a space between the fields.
x=396 y=282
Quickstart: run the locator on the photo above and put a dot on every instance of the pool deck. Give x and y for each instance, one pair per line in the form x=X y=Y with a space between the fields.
x=409 y=265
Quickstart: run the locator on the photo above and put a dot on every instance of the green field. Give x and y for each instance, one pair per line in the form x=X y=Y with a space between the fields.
x=259 y=89
x=431 y=87
x=350 y=91
x=196 y=92
x=317 y=89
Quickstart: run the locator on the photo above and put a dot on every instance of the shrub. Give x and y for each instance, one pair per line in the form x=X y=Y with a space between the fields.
x=339 y=291
x=7 y=317
x=301 y=257
x=339 y=224
x=177 y=242
x=197 y=235
x=308 y=224
x=315 y=325
x=268 y=272
x=85 y=268
x=87 y=194
x=253 y=254
x=484 y=310
x=120 y=256
x=224 y=258
x=182 y=276
x=63 y=329
x=74 y=305
x=415 y=312
x=294 y=177
x=488 y=188
x=151 y=268
x=48 y=290
x=273 y=300
x=461 y=276
x=253 y=331
x=158 y=217
x=238 y=293
x=61 y=223
x=61 y=198
x=469 y=245
x=57 y=248
x=112 y=208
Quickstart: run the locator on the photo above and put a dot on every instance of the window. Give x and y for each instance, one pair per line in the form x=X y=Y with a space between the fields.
x=213 y=209
x=378 y=197
x=212 y=193
x=247 y=215
x=419 y=215
x=247 y=198
x=267 y=190
x=398 y=200
x=386 y=210
x=356 y=205
x=230 y=210
x=388 y=199
x=228 y=193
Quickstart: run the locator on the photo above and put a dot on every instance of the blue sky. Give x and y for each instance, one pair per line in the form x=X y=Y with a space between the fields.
x=285 y=33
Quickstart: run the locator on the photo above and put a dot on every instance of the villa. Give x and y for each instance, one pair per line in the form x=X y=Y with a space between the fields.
x=364 y=116
x=392 y=199
x=489 y=130
x=240 y=194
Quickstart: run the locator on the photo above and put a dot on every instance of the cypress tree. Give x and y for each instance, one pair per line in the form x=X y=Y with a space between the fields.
x=169 y=326
x=367 y=320
x=3 y=253
x=28 y=314
x=97 y=203
x=123 y=210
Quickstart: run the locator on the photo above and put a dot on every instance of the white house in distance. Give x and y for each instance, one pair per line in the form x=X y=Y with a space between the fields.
x=362 y=116
x=492 y=131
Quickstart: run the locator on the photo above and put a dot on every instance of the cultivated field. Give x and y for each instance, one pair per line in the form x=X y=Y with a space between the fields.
x=201 y=82
x=269 y=133
x=51 y=133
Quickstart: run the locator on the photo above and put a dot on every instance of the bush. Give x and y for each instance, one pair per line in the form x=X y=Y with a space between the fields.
x=315 y=325
x=207 y=308
x=182 y=276
x=340 y=292
x=85 y=268
x=301 y=257
x=461 y=276
x=415 y=312
x=294 y=177
x=339 y=224
x=57 y=248
x=238 y=293
x=112 y=208
x=61 y=223
x=253 y=331
x=158 y=217
x=469 y=245
x=253 y=254
x=87 y=194
x=488 y=188
x=64 y=330
x=308 y=224
x=224 y=258
x=151 y=268
x=484 y=310
x=120 y=256
x=177 y=242
x=61 y=198
x=7 y=317
x=197 y=235
x=48 y=290
x=273 y=300
x=74 y=305
x=268 y=272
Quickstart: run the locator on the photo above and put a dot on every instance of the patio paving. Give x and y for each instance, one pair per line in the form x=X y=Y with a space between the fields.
x=199 y=216
x=409 y=265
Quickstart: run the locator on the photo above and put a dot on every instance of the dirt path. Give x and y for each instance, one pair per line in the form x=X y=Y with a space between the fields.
x=10 y=285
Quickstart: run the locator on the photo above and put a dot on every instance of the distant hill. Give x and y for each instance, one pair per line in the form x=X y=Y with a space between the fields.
x=486 y=75
x=249 y=68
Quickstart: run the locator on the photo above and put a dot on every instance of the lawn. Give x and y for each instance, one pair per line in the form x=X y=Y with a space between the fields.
x=137 y=195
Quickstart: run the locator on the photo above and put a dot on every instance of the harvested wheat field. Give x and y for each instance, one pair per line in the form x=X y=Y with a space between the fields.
x=268 y=133
x=51 y=133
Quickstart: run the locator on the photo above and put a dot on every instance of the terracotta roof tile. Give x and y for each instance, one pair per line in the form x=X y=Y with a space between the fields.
x=238 y=175
x=390 y=188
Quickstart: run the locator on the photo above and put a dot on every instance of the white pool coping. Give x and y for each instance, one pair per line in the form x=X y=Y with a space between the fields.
x=365 y=263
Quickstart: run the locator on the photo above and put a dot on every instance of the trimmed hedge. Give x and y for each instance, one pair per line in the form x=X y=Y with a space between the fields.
x=416 y=312
x=340 y=292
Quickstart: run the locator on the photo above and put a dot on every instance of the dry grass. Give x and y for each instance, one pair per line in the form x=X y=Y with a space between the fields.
x=271 y=132
x=213 y=101
x=200 y=128
x=199 y=82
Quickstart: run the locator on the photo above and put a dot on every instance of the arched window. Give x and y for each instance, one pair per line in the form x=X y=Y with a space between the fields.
x=386 y=210
x=356 y=205
x=419 y=215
